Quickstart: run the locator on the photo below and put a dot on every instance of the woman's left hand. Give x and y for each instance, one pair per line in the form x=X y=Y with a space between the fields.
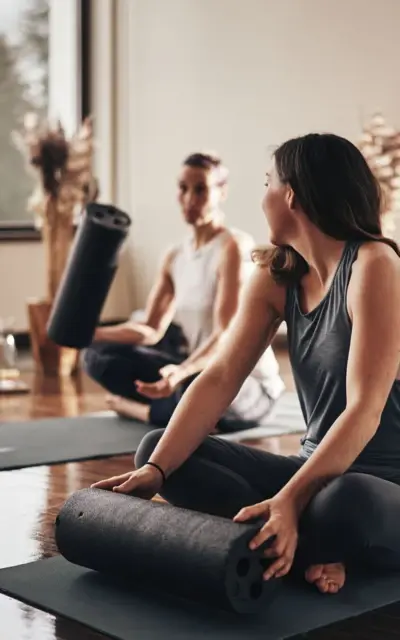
x=282 y=524
x=170 y=379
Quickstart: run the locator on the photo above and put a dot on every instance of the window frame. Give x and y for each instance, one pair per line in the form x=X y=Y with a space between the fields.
x=80 y=14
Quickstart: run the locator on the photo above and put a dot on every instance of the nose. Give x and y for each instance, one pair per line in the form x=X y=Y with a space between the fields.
x=189 y=199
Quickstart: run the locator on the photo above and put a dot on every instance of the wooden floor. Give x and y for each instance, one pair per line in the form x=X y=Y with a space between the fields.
x=30 y=500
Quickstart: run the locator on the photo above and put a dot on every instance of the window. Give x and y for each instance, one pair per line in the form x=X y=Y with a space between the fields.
x=24 y=47
x=44 y=46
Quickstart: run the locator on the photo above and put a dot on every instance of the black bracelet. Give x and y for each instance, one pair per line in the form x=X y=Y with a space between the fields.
x=153 y=464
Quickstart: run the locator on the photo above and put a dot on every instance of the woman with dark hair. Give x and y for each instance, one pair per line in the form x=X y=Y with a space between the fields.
x=147 y=363
x=335 y=280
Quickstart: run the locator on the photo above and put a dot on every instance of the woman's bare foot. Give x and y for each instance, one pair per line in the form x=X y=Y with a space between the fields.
x=328 y=578
x=128 y=408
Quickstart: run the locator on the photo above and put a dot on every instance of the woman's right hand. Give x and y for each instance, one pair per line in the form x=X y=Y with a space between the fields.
x=143 y=483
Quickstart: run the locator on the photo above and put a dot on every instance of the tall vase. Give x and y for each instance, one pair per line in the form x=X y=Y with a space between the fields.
x=50 y=358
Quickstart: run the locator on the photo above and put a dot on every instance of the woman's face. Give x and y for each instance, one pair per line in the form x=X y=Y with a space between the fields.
x=199 y=194
x=278 y=207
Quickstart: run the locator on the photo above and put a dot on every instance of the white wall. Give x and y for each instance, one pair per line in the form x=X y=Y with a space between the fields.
x=239 y=76
x=22 y=276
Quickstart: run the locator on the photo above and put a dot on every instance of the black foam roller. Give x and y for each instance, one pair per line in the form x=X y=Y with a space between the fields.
x=175 y=551
x=88 y=275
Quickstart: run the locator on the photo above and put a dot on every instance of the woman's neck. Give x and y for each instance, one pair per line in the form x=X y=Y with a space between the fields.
x=206 y=232
x=321 y=252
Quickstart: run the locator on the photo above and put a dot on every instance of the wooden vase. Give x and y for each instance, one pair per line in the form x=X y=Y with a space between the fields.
x=57 y=234
x=50 y=359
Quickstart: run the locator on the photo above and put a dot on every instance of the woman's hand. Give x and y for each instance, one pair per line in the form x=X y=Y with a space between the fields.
x=143 y=483
x=170 y=371
x=282 y=525
x=171 y=377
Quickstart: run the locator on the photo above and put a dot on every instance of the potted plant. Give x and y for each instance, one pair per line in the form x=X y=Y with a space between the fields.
x=63 y=169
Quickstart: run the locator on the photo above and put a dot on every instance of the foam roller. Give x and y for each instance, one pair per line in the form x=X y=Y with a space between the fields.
x=196 y=556
x=88 y=275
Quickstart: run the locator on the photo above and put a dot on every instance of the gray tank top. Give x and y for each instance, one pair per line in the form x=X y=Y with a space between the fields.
x=319 y=344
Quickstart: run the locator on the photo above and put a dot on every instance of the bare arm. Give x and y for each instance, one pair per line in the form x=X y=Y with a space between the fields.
x=373 y=363
x=225 y=307
x=159 y=310
x=252 y=330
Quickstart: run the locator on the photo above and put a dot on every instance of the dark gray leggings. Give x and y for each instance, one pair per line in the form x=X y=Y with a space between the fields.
x=354 y=519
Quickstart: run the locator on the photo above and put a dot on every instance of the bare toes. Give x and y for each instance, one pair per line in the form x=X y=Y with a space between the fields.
x=333 y=587
x=314 y=572
x=322 y=585
x=328 y=578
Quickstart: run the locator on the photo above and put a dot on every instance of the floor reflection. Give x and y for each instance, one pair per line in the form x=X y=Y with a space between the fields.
x=18 y=621
x=52 y=396
x=23 y=496
x=31 y=499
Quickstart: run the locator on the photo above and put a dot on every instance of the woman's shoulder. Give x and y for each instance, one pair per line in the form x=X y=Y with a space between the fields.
x=170 y=255
x=262 y=285
x=237 y=242
x=377 y=254
x=376 y=266
x=244 y=239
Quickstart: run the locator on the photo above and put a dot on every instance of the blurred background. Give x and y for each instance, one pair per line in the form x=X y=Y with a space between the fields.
x=162 y=78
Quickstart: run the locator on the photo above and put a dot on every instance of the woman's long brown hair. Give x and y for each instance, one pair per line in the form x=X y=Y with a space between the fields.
x=336 y=189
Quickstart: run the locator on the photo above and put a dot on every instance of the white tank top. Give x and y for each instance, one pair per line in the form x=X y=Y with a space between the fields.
x=194 y=272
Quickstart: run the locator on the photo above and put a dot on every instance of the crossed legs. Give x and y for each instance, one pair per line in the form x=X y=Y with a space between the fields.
x=354 y=519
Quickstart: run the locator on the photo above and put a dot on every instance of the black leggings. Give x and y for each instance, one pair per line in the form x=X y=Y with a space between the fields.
x=116 y=366
x=354 y=519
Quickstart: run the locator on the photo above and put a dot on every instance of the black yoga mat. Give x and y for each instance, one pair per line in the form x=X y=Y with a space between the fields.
x=88 y=276
x=56 y=440
x=125 y=611
x=184 y=553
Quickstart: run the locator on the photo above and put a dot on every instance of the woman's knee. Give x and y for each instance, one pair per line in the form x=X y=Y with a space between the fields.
x=347 y=501
x=147 y=446
x=105 y=362
x=92 y=362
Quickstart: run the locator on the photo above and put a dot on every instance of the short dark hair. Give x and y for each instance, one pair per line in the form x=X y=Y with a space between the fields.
x=209 y=162
x=335 y=187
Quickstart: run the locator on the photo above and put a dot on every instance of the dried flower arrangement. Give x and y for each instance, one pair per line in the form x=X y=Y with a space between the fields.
x=65 y=183
x=380 y=145
x=64 y=168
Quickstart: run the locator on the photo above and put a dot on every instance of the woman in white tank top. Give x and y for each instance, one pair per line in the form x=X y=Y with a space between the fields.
x=146 y=365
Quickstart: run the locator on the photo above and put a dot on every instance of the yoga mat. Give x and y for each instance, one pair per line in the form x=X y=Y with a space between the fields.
x=88 y=276
x=56 y=440
x=201 y=557
x=285 y=418
x=125 y=611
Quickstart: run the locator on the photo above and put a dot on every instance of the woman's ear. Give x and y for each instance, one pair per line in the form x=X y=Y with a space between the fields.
x=224 y=192
x=291 y=199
